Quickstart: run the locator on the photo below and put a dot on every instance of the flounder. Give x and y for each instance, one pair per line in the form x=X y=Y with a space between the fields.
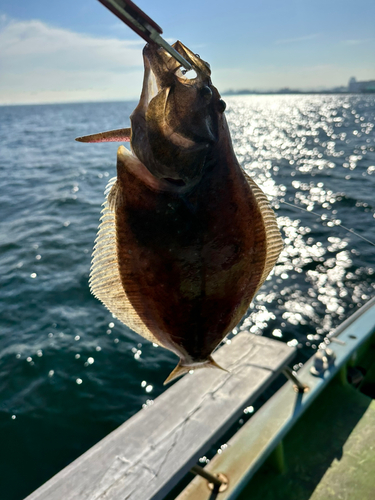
x=186 y=238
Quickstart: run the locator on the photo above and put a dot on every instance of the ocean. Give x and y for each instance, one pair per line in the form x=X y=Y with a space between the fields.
x=70 y=373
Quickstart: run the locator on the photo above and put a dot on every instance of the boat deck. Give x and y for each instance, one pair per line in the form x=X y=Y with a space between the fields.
x=148 y=455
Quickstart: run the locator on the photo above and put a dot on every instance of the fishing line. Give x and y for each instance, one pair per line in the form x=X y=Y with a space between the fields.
x=320 y=217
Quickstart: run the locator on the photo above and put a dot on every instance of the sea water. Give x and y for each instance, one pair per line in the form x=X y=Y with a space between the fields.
x=69 y=372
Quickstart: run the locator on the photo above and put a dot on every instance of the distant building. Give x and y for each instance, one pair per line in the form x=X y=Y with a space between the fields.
x=355 y=86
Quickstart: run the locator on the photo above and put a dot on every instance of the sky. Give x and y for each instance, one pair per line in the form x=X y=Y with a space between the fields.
x=76 y=50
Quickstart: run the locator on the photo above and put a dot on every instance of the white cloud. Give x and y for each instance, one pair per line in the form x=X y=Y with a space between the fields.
x=357 y=42
x=42 y=63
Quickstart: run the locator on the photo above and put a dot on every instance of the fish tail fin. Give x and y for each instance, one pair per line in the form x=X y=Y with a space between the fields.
x=177 y=372
x=181 y=369
x=212 y=363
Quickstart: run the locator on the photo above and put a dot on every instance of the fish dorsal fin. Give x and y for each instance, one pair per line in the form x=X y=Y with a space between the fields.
x=119 y=135
x=105 y=282
x=274 y=242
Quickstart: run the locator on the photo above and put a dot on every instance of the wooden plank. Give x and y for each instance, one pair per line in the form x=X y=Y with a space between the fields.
x=148 y=454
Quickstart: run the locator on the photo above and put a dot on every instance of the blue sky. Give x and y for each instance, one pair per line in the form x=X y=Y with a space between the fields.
x=76 y=50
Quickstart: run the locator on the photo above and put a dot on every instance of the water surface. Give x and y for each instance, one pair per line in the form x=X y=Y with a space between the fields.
x=69 y=372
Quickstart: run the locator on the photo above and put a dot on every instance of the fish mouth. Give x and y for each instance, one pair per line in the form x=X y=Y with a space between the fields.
x=175 y=122
x=164 y=68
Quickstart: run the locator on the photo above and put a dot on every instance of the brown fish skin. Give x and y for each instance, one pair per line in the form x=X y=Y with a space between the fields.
x=173 y=132
x=192 y=238
x=190 y=258
x=188 y=261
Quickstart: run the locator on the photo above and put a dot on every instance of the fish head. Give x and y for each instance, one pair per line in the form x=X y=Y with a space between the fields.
x=177 y=121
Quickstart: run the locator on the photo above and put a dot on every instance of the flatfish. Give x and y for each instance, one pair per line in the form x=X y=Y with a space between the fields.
x=186 y=237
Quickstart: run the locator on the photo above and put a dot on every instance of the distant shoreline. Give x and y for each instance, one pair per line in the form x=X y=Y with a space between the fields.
x=291 y=92
x=225 y=93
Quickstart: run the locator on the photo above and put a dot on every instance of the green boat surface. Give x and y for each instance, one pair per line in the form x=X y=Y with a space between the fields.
x=328 y=455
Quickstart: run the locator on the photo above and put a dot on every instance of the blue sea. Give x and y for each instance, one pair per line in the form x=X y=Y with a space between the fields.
x=70 y=373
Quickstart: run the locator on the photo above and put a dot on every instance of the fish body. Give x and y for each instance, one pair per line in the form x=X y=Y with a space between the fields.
x=186 y=237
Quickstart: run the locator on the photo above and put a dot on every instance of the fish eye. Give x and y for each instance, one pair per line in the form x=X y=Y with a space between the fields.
x=221 y=106
x=206 y=93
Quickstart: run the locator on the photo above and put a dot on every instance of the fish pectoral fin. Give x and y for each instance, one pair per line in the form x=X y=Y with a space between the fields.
x=182 y=369
x=128 y=162
x=119 y=135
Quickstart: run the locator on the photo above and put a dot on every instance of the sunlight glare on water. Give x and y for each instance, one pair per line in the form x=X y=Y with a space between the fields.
x=299 y=149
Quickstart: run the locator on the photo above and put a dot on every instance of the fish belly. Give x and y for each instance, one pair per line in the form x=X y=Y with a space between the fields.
x=190 y=263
